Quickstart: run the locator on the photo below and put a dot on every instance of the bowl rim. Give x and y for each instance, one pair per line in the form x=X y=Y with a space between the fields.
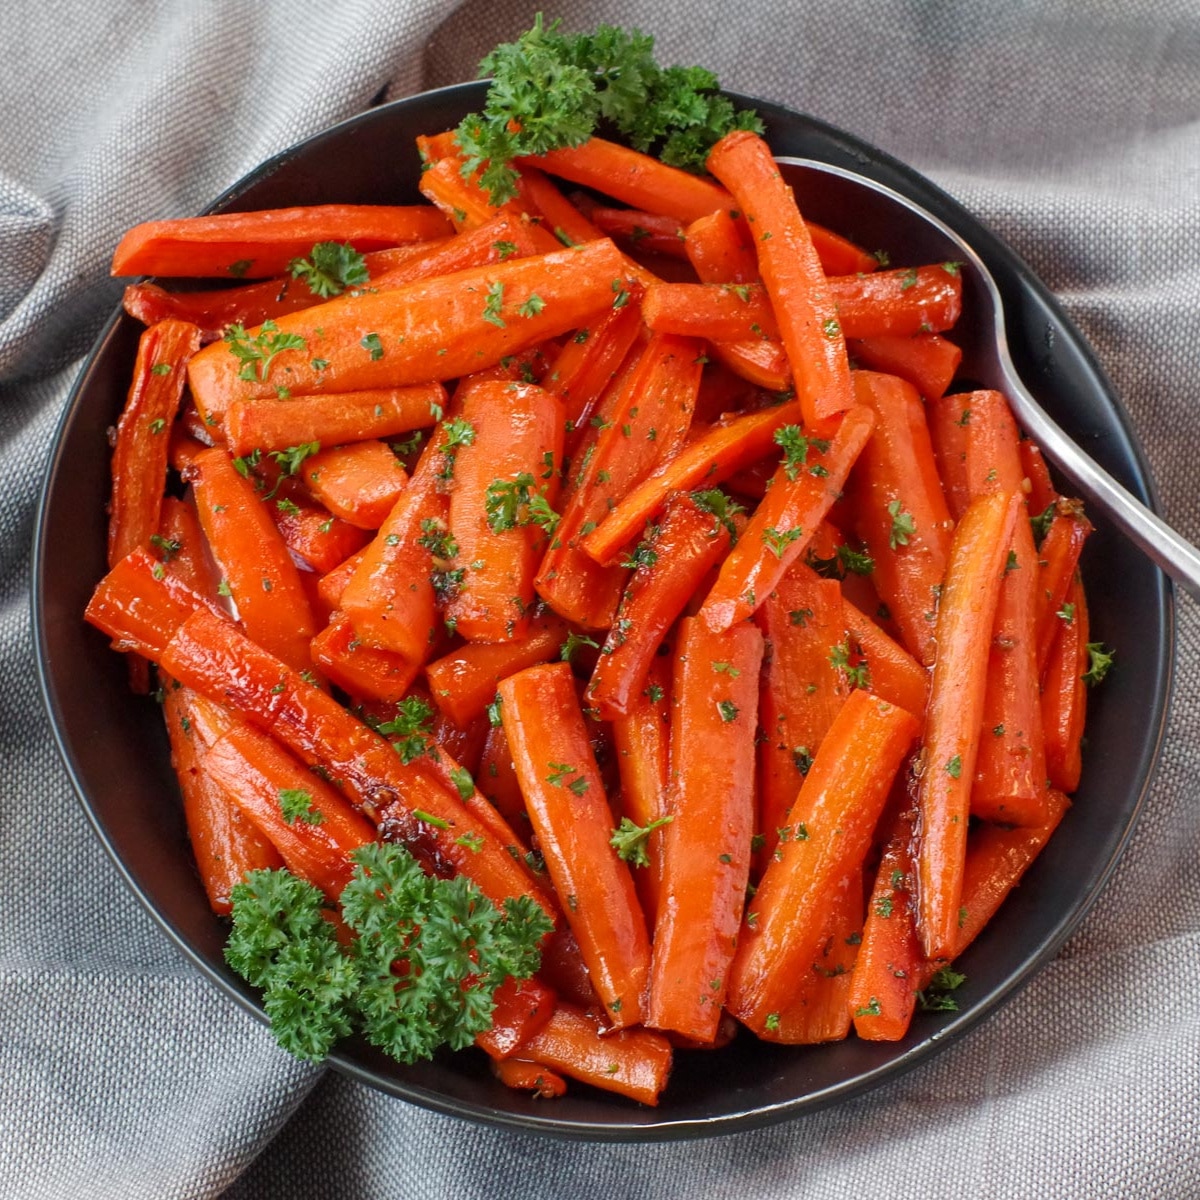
x=647 y=1127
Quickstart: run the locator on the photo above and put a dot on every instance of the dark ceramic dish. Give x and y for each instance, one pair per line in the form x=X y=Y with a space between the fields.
x=115 y=749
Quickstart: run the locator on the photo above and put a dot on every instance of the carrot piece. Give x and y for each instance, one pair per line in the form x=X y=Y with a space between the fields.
x=802 y=490
x=558 y=215
x=1010 y=773
x=365 y=672
x=210 y=655
x=434 y=329
x=497 y=781
x=900 y=510
x=898 y=303
x=139 y=460
x=964 y=629
x=253 y=559
x=927 y=361
x=802 y=621
x=312 y=533
x=839 y=255
x=721 y=311
x=180 y=548
x=463 y=682
x=461 y=200
x=641 y=740
x=360 y=483
x=432 y=146
x=565 y=797
x=669 y=566
x=892 y=673
x=1058 y=557
x=646 y=424
x=333 y=582
x=528 y=1076
x=254 y=245
x=225 y=843
x=630 y=1062
x=184 y=446
x=643 y=231
x=948 y=418
x=832 y=821
x=514 y=456
x=635 y=179
x=1064 y=694
x=1042 y=493
x=521 y=1008
x=762 y=362
x=706 y=847
x=709 y=460
x=305 y=819
x=809 y=324
x=333 y=420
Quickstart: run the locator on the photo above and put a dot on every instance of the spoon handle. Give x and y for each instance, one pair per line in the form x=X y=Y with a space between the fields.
x=1177 y=557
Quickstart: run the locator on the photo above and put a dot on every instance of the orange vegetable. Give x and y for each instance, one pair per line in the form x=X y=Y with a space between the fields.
x=927 y=361
x=1064 y=694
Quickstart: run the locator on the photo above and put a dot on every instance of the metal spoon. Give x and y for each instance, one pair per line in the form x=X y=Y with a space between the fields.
x=874 y=210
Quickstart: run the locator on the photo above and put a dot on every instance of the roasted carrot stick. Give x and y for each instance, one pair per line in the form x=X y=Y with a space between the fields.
x=898 y=303
x=365 y=672
x=497 y=781
x=528 y=1076
x=668 y=567
x=831 y=824
x=948 y=418
x=1064 y=694
x=305 y=819
x=557 y=214
x=360 y=483
x=899 y=509
x=791 y=271
x=180 y=548
x=1058 y=557
x=521 y=1008
x=809 y=479
x=461 y=200
x=434 y=329
x=709 y=460
x=139 y=460
x=927 y=361
x=1042 y=493
x=720 y=311
x=706 y=847
x=312 y=533
x=720 y=248
x=253 y=559
x=514 y=458
x=565 y=796
x=964 y=629
x=641 y=231
x=892 y=673
x=254 y=245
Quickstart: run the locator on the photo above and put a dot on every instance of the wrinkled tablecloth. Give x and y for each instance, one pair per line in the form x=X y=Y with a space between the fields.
x=1072 y=127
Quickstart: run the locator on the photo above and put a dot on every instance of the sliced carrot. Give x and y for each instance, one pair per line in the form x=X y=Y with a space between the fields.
x=181 y=550
x=898 y=303
x=365 y=672
x=1064 y=694
x=521 y=1008
x=360 y=483
x=1042 y=493
x=892 y=673
x=1058 y=557
x=312 y=533
x=927 y=361
x=720 y=248
x=527 y=1076
x=948 y=418
x=721 y=311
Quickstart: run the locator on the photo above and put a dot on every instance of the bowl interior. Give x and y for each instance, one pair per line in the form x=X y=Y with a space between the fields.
x=115 y=749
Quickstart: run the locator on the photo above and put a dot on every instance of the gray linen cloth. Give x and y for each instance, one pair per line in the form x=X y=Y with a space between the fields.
x=1071 y=126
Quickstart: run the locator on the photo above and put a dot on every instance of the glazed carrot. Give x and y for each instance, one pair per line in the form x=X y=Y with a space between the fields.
x=180 y=548
x=641 y=739
x=762 y=362
x=900 y=512
x=366 y=673
x=461 y=200
x=721 y=311
x=630 y=1062
x=720 y=248
x=892 y=673
x=642 y=231
x=514 y=456
x=634 y=179
x=948 y=418
x=802 y=621
x=646 y=425
x=360 y=483
x=669 y=566
x=565 y=797
x=139 y=460
x=1058 y=556
x=898 y=303
x=706 y=847
x=184 y=447
x=839 y=255
x=210 y=655
x=528 y=1076
x=434 y=329
x=1010 y=773
x=831 y=824
x=1042 y=493
x=809 y=479
x=964 y=629
x=305 y=819
x=497 y=781
x=254 y=245
x=1064 y=694
x=253 y=560
x=333 y=582
x=522 y=1007
x=333 y=420
x=927 y=361
x=558 y=215
x=225 y=844
x=791 y=271
x=463 y=682
x=708 y=461
x=312 y=533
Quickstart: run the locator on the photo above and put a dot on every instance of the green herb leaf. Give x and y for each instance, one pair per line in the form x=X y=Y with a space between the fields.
x=330 y=269
x=629 y=840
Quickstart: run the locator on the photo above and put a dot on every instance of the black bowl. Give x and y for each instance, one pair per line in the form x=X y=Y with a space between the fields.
x=116 y=753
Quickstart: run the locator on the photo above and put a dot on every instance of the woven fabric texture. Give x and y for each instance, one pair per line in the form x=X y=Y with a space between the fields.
x=1072 y=127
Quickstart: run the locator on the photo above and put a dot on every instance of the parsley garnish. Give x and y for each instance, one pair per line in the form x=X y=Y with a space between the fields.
x=296 y=805
x=629 y=840
x=257 y=353
x=491 y=305
x=412 y=725
x=777 y=541
x=1099 y=662
x=795 y=448
x=722 y=508
x=728 y=710
x=573 y=642
x=903 y=525
x=330 y=269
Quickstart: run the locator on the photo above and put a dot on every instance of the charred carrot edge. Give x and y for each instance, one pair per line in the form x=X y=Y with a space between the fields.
x=1064 y=694
x=631 y=1062
x=305 y=819
x=929 y=362
x=435 y=329
x=522 y=1008
x=254 y=245
x=964 y=629
x=800 y=494
x=809 y=323
x=1058 y=557
x=898 y=303
x=564 y=794
x=706 y=847
x=899 y=508
x=139 y=459
x=669 y=566
x=708 y=461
